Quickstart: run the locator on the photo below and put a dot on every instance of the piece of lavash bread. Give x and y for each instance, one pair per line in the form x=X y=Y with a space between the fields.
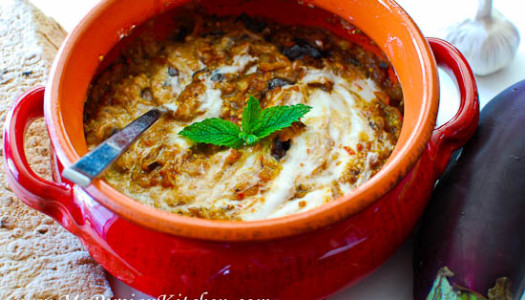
x=38 y=258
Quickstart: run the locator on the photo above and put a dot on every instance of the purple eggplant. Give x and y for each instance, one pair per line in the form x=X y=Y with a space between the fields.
x=475 y=222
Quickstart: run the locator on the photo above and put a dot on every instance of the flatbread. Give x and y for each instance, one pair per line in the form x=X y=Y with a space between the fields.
x=38 y=258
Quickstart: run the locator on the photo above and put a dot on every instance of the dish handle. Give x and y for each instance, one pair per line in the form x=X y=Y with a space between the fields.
x=452 y=135
x=52 y=198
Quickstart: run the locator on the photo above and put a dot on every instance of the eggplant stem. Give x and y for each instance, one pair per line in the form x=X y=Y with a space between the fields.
x=502 y=290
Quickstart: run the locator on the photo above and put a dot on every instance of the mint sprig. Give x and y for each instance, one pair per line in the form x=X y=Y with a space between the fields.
x=214 y=131
x=256 y=124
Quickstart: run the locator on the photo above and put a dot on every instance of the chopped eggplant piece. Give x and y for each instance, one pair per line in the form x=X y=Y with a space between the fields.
x=152 y=166
x=173 y=71
x=277 y=82
x=146 y=94
x=217 y=77
x=279 y=148
x=300 y=49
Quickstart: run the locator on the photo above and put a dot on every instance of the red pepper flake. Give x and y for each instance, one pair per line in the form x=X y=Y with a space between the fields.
x=359 y=147
x=349 y=150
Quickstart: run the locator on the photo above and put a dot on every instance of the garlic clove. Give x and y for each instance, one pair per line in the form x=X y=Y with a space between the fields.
x=489 y=42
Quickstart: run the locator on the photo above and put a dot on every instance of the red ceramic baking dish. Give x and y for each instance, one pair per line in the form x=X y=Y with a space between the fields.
x=303 y=256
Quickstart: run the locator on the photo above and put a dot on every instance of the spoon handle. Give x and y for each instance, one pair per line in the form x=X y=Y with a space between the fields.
x=97 y=160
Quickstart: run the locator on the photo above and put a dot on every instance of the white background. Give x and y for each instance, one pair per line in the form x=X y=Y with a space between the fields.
x=394 y=279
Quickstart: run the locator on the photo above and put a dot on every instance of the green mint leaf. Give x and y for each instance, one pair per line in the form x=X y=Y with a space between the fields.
x=278 y=117
x=214 y=131
x=250 y=115
x=256 y=124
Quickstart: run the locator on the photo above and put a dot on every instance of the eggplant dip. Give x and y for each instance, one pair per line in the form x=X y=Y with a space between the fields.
x=208 y=67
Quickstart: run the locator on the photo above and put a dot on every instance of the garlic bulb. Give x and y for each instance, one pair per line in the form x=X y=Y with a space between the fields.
x=489 y=41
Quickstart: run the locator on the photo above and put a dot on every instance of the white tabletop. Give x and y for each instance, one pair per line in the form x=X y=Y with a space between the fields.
x=393 y=280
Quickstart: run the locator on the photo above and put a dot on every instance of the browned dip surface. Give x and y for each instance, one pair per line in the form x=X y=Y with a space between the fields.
x=207 y=67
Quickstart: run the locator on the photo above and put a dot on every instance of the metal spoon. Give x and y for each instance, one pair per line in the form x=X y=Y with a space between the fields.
x=89 y=166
